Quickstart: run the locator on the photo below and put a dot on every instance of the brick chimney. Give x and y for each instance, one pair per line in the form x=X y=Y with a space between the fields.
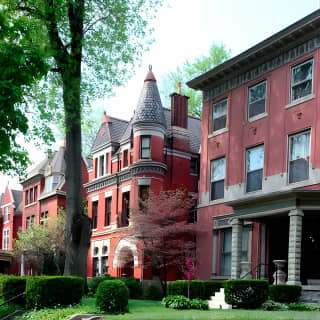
x=179 y=109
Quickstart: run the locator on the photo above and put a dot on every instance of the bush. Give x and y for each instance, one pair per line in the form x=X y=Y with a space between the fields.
x=270 y=305
x=153 y=292
x=176 y=302
x=134 y=286
x=49 y=291
x=248 y=294
x=12 y=286
x=284 y=293
x=199 y=304
x=94 y=283
x=198 y=288
x=112 y=296
x=301 y=306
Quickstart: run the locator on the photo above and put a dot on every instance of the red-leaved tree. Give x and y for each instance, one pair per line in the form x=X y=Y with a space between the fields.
x=167 y=240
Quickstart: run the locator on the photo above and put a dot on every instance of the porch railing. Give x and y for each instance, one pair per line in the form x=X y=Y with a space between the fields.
x=258 y=270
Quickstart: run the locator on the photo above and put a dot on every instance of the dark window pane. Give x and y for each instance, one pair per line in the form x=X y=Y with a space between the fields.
x=298 y=170
x=302 y=90
x=254 y=180
x=94 y=215
x=220 y=123
x=217 y=190
x=125 y=209
x=257 y=107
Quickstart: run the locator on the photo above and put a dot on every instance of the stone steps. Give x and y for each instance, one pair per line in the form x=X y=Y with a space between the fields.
x=218 y=301
x=310 y=296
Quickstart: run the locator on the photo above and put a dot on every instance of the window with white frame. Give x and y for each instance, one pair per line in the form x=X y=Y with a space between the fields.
x=299 y=153
x=255 y=161
x=101 y=165
x=6 y=214
x=145 y=147
x=257 y=100
x=219 y=115
x=6 y=238
x=51 y=183
x=218 y=172
x=301 y=80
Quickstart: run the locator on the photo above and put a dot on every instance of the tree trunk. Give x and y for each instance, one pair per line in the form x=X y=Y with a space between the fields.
x=78 y=225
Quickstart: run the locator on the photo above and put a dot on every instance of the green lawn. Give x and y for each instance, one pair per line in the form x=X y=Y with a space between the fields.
x=153 y=310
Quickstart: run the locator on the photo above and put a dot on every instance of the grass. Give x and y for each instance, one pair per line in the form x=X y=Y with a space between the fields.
x=153 y=310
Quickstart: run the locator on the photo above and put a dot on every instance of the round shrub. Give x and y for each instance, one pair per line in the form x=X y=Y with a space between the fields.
x=284 y=293
x=199 y=304
x=112 y=296
x=248 y=294
x=153 y=292
x=176 y=302
x=94 y=283
x=134 y=286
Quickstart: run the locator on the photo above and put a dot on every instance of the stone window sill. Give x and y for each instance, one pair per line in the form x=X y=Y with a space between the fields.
x=218 y=132
x=258 y=117
x=301 y=100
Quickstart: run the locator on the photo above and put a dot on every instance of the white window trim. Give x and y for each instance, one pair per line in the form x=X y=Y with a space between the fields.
x=222 y=130
x=220 y=200
x=260 y=115
x=292 y=184
x=246 y=169
x=7 y=231
x=5 y=220
x=296 y=101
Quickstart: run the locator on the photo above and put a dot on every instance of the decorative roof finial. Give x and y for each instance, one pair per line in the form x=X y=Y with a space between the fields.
x=150 y=67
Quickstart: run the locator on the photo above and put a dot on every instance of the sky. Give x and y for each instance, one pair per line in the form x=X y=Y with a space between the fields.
x=185 y=29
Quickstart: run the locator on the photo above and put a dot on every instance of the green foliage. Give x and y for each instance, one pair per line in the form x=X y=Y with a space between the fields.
x=284 y=293
x=197 y=288
x=182 y=302
x=176 y=302
x=199 y=304
x=153 y=292
x=271 y=305
x=248 y=294
x=52 y=291
x=189 y=70
x=22 y=63
x=112 y=296
x=134 y=286
x=301 y=306
x=94 y=283
x=12 y=286
x=8 y=308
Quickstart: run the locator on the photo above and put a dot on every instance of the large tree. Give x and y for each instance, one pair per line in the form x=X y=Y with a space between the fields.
x=91 y=46
x=191 y=69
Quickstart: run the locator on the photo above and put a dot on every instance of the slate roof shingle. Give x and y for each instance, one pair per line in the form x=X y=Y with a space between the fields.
x=17 y=195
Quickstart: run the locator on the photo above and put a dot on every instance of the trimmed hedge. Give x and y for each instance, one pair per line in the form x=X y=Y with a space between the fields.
x=12 y=286
x=284 y=293
x=198 y=288
x=134 y=286
x=112 y=296
x=248 y=294
x=94 y=283
x=181 y=302
x=49 y=291
x=153 y=292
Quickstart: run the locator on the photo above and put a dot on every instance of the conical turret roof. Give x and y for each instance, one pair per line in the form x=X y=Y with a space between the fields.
x=149 y=108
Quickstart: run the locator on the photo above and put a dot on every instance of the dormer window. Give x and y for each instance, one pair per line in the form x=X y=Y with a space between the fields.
x=51 y=183
x=145 y=147
x=6 y=214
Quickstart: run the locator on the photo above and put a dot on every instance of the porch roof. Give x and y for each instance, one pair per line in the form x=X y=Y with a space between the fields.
x=274 y=203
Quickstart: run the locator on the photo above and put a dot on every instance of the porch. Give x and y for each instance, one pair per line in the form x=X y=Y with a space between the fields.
x=289 y=231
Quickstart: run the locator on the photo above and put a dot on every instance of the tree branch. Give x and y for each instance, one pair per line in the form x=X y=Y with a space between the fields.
x=93 y=23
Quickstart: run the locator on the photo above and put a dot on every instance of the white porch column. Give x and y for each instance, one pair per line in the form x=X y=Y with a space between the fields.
x=237 y=225
x=294 y=252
